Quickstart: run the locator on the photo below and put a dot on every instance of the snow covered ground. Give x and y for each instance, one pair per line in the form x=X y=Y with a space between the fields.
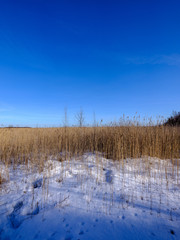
x=91 y=198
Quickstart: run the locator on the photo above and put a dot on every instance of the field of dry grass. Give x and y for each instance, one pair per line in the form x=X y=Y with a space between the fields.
x=35 y=145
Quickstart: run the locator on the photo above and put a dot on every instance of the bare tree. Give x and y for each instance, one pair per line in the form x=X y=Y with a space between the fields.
x=80 y=118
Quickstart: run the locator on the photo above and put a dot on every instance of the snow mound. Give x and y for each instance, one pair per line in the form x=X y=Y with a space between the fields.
x=92 y=198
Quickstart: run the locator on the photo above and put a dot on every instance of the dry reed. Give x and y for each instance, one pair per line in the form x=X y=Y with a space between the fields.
x=35 y=145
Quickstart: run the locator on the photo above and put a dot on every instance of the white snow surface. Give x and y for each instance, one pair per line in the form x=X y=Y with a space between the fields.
x=91 y=198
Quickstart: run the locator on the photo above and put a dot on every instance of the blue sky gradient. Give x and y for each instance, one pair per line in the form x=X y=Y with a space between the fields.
x=106 y=57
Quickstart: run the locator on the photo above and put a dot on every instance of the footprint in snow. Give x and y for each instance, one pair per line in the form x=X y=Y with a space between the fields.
x=15 y=218
x=52 y=237
x=37 y=183
x=54 y=233
x=68 y=238
x=81 y=232
x=36 y=236
x=109 y=176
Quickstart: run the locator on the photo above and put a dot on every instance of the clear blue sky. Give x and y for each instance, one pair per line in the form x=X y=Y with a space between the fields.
x=107 y=57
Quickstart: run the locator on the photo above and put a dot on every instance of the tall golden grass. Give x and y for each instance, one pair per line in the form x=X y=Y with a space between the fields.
x=35 y=145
